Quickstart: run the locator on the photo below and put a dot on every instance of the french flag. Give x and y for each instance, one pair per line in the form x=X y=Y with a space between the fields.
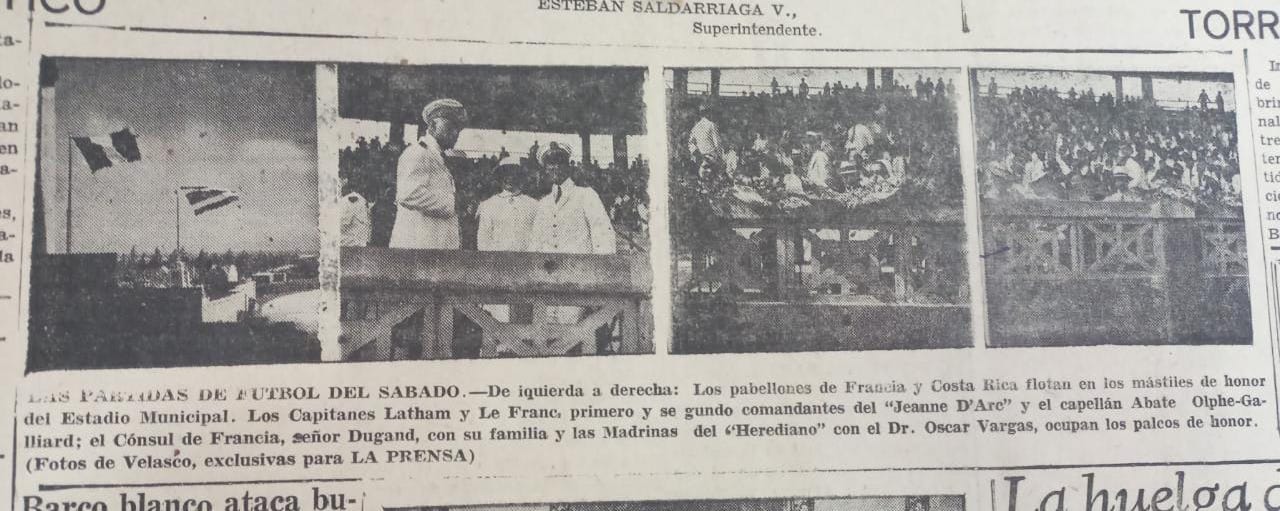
x=102 y=152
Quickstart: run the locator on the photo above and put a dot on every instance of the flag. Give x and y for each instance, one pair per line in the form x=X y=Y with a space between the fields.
x=126 y=145
x=103 y=152
x=205 y=199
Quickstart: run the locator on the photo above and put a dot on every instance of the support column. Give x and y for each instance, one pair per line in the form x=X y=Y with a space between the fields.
x=680 y=81
x=585 y=159
x=328 y=194
x=886 y=77
x=715 y=82
x=902 y=288
x=48 y=185
x=397 y=132
x=644 y=329
x=1148 y=89
x=1178 y=245
x=444 y=331
x=786 y=262
x=1119 y=86
x=871 y=79
x=620 y=153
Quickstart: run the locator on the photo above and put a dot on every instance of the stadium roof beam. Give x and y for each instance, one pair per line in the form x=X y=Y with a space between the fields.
x=1147 y=80
x=606 y=101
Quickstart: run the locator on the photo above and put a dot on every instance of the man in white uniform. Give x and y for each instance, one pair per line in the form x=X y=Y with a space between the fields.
x=425 y=214
x=571 y=219
x=506 y=219
x=704 y=138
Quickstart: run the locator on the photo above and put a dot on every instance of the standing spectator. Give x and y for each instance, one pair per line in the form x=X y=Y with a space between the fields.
x=356 y=227
x=704 y=138
x=820 y=165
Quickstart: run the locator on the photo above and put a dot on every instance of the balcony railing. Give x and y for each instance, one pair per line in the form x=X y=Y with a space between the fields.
x=1067 y=272
x=867 y=260
x=436 y=304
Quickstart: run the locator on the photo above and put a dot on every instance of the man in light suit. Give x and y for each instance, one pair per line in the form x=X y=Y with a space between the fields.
x=704 y=138
x=426 y=216
x=571 y=219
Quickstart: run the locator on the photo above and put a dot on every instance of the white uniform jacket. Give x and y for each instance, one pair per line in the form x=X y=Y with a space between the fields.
x=577 y=223
x=425 y=214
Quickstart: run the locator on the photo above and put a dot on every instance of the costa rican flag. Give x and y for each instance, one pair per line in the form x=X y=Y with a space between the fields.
x=105 y=151
x=205 y=199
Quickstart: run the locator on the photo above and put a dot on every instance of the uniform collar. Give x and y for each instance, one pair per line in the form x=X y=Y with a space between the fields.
x=566 y=187
x=430 y=143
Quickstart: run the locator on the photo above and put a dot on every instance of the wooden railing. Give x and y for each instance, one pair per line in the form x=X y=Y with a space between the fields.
x=1056 y=272
x=1103 y=272
x=833 y=262
x=436 y=304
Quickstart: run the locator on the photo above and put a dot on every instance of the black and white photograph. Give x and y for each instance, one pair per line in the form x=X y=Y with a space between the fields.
x=1111 y=208
x=816 y=210
x=895 y=503
x=493 y=212
x=176 y=215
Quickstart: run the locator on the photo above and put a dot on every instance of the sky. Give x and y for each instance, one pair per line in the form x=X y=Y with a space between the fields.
x=1168 y=92
x=477 y=143
x=735 y=81
x=247 y=127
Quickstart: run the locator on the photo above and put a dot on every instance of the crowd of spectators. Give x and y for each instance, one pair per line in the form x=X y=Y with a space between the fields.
x=795 y=147
x=368 y=168
x=1045 y=144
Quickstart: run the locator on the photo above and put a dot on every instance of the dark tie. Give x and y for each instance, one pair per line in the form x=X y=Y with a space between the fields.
x=557 y=194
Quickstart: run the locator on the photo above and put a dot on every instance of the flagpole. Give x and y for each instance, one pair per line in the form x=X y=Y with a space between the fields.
x=70 y=162
x=177 y=221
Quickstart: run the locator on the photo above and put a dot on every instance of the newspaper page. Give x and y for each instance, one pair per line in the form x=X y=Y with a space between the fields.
x=639 y=255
